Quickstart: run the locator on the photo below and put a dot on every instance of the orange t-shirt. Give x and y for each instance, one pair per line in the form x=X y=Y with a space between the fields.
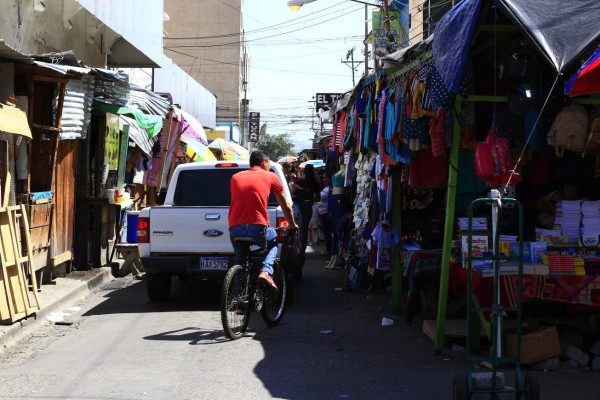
x=250 y=191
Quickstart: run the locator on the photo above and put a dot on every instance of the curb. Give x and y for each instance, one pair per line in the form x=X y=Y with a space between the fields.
x=11 y=334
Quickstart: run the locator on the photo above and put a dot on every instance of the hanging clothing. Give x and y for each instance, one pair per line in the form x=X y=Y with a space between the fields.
x=427 y=170
x=386 y=238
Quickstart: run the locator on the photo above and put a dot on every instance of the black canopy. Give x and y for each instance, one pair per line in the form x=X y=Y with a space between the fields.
x=562 y=29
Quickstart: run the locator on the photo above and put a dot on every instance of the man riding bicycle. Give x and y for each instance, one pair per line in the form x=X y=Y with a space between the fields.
x=248 y=216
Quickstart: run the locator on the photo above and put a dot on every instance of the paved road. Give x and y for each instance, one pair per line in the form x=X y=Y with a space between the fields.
x=330 y=345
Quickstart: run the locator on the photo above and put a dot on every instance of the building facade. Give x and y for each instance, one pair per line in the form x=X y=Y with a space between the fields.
x=206 y=40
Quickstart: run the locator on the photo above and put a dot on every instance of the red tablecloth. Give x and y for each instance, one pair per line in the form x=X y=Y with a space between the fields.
x=577 y=289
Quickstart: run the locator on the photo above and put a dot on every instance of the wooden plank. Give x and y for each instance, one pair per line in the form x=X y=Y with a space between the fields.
x=6 y=305
x=21 y=293
x=63 y=213
x=40 y=237
x=61 y=258
x=39 y=214
x=25 y=222
x=10 y=269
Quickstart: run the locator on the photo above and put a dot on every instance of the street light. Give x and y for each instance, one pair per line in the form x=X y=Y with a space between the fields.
x=297 y=4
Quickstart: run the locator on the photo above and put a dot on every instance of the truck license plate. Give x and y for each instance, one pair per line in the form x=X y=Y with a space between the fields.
x=214 y=263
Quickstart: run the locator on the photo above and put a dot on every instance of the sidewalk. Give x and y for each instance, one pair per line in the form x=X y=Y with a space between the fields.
x=54 y=297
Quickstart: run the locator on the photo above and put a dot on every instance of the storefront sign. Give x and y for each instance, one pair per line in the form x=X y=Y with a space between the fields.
x=324 y=100
x=398 y=29
x=253 y=127
x=112 y=142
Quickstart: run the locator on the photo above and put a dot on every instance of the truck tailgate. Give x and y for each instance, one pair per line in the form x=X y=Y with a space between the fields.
x=199 y=230
x=189 y=230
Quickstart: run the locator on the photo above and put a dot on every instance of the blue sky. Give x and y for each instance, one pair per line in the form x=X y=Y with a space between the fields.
x=296 y=54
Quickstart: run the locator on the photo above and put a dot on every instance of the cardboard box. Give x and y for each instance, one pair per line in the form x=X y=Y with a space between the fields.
x=536 y=344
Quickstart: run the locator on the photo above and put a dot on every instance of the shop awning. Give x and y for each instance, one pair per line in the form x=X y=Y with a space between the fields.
x=63 y=69
x=192 y=128
x=151 y=123
x=137 y=134
x=7 y=53
x=138 y=26
x=13 y=120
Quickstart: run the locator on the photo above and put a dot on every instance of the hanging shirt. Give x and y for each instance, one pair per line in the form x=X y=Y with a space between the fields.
x=386 y=237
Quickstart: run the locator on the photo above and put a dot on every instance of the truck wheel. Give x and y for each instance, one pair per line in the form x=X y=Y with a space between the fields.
x=158 y=287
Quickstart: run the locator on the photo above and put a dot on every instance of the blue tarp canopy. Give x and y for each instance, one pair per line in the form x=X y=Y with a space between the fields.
x=453 y=36
x=563 y=31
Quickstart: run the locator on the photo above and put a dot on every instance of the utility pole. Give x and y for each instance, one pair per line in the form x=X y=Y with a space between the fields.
x=350 y=55
x=244 y=139
x=366 y=35
x=312 y=119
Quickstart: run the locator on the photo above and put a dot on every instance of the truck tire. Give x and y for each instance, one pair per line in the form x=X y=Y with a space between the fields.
x=158 y=287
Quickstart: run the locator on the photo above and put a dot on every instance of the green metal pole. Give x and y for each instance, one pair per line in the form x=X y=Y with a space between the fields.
x=397 y=269
x=448 y=227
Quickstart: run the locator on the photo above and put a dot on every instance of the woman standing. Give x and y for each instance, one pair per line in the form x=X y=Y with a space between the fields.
x=305 y=192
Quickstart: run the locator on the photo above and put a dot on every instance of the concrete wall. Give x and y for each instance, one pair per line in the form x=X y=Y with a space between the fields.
x=32 y=27
x=216 y=24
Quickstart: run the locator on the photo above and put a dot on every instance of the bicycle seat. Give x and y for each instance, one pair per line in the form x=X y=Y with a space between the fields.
x=246 y=240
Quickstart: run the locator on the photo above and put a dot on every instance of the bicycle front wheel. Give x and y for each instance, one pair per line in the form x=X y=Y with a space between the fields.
x=274 y=303
x=235 y=303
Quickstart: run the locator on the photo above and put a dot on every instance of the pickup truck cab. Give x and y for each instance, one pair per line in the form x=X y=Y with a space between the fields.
x=188 y=236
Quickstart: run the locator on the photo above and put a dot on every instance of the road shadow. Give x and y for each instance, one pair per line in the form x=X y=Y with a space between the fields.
x=129 y=296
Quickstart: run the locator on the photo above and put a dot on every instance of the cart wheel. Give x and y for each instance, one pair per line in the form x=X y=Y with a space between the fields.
x=531 y=386
x=459 y=387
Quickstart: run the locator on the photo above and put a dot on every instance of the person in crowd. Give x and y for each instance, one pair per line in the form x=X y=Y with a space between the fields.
x=305 y=192
x=313 y=226
x=546 y=206
x=324 y=216
x=287 y=170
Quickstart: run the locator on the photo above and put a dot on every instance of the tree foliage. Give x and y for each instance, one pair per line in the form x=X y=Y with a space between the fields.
x=276 y=146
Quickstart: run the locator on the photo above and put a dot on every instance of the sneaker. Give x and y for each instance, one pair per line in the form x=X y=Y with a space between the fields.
x=266 y=280
x=325 y=253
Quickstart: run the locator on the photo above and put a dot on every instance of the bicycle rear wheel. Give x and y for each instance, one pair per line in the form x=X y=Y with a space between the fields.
x=235 y=303
x=274 y=303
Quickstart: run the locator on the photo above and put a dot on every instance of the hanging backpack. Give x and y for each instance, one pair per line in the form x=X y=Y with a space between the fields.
x=522 y=61
x=593 y=143
x=493 y=163
x=569 y=130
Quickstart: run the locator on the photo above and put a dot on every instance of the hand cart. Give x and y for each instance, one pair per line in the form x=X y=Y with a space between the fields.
x=470 y=383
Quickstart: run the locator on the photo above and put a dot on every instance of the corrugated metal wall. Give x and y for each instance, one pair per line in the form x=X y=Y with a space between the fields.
x=77 y=108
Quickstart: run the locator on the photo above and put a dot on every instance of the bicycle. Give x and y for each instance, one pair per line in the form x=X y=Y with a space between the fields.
x=241 y=293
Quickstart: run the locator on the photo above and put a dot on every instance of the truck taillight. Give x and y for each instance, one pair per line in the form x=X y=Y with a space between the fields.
x=281 y=233
x=143 y=230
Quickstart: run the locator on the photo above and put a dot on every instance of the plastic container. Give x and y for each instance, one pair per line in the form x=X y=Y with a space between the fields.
x=132 y=218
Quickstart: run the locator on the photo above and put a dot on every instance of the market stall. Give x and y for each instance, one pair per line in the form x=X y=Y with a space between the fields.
x=427 y=118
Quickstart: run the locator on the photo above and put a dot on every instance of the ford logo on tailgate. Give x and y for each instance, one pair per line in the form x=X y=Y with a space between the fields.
x=212 y=232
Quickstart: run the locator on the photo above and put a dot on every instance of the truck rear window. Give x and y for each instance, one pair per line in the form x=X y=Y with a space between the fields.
x=207 y=188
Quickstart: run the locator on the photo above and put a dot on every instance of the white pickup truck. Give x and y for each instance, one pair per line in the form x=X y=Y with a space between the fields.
x=189 y=234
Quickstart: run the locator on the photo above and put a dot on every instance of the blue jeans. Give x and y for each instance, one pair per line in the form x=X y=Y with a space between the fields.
x=263 y=235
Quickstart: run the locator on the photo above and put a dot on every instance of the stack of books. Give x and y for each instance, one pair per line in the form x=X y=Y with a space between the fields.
x=591 y=265
x=563 y=264
x=478 y=224
x=550 y=236
x=568 y=218
x=590 y=223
